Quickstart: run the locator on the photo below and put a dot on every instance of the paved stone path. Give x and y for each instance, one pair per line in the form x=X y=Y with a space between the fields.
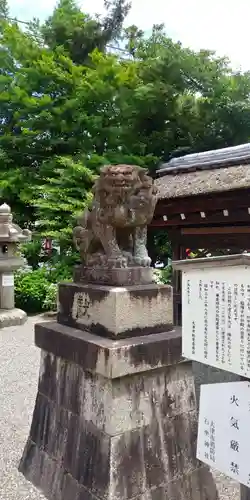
x=19 y=365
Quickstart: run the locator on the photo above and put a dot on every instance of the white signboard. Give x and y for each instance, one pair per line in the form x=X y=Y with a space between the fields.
x=216 y=317
x=223 y=434
x=7 y=280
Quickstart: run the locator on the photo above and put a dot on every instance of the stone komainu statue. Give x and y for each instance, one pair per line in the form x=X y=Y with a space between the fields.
x=113 y=233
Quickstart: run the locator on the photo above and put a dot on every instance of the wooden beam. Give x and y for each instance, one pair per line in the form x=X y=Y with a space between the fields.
x=201 y=203
x=236 y=242
x=195 y=242
x=216 y=230
x=238 y=215
x=200 y=240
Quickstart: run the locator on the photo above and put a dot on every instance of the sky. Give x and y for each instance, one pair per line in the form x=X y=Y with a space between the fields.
x=218 y=25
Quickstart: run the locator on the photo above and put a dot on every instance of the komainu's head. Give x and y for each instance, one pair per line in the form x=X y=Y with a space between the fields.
x=119 y=178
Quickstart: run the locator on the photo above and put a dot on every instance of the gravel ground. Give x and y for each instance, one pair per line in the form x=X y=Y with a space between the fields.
x=19 y=365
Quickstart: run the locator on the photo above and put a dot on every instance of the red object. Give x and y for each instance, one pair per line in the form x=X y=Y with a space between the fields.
x=47 y=245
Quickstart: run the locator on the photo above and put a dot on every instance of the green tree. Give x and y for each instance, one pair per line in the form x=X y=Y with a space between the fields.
x=78 y=33
x=55 y=111
x=133 y=36
x=4 y=8
x=36 y=98
x=63 y=193
x=184 y=100
x=64 y=110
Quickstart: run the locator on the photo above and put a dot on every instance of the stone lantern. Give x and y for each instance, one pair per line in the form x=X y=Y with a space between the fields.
x=10 y=235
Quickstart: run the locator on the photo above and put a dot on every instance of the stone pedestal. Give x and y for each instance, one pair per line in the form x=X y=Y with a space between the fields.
x=114 y=276
x=115 y=414
x=12 y=317
x=116 y=312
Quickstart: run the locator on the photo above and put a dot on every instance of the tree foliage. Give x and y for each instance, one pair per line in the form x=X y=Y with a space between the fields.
x=68 y=105
x=79 y=34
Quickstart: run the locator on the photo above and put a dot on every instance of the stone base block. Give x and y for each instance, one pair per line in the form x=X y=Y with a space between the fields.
x=106 y=357
x=12 y=317
x=116 y=312
x=56 y=483
x=114 y=276
x=96 y=436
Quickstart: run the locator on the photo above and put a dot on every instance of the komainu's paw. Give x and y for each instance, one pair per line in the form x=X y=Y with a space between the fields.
x=118 y=262
x=143 y=261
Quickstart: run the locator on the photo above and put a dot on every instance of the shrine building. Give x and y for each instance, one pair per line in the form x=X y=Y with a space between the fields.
x=204 y=203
